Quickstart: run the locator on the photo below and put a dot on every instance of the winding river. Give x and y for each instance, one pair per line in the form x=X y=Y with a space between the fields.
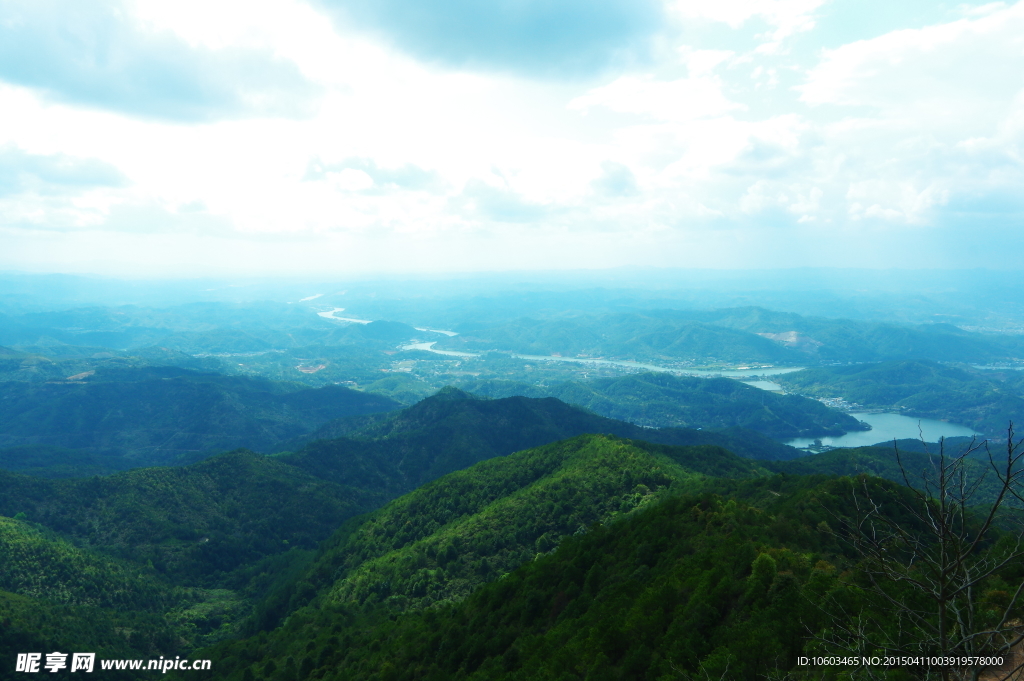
x=732 y=373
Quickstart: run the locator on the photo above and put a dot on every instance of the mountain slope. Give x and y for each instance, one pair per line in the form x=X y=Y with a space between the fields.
x=698 y=585
x=56 y=596
x=747 y=334
x=447 y=537
x=664 y=400
x=637 y=336
x=152 y=415
x=194 y=523
x=454 y=430
x=470 y=526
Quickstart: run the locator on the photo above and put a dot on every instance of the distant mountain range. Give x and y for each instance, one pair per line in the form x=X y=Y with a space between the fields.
x=136 y=416
x=748 y=334
x=115 y=414
x=666 y=400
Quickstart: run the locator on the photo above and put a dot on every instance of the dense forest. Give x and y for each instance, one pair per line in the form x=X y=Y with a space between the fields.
x=154 y=415
x=639 y=560
x=736 y=581
x=663 y=400
x=298 y=497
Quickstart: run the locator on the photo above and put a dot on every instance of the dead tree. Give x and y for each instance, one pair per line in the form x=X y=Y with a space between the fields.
x=925 y=553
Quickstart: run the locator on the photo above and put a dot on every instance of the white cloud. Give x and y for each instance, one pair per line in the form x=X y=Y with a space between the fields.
x=785 y=18
x=950 y=73
x=678 y=100
x=925 y=115
x=708 y=153
x=350 y=180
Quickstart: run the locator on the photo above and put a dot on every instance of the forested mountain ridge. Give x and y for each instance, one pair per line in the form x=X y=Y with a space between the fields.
x=454 y=430
x=748 y=334
x=213 y=523
x=154 y=415
x=206 y=519
x=665 y=400
x=447 y=537
x=631 y=335
x=193 y=523
x=57 y=596
x=692 y=586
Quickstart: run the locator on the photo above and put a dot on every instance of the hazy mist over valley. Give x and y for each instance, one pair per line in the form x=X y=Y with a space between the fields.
x=650 y=340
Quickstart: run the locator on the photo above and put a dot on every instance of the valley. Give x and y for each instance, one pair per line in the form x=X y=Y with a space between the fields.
x=298 y=495
x=517 y=340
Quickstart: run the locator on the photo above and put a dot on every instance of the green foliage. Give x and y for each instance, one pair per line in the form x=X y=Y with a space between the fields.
x=446 y=538
x=195 y=523
x=442 y=540
x=685 y=586
x=55 y=594
x=919 y=463
x=48 y=568
x=692 y=587
x=33 y=625
x=453 y=430
x=152 y=415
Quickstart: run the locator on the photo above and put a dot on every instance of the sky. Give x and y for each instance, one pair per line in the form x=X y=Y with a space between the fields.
x=284 y=137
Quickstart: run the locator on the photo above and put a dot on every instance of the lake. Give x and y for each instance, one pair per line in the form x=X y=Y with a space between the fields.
x=886 y=428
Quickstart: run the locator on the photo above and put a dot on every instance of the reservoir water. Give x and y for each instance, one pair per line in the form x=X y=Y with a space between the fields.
x=889 y=427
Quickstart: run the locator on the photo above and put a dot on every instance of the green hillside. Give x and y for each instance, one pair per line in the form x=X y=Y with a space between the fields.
x=31 y=625
x=694 y=586
x=51 y=569
x=56 y=596
x=665 y=400
x=919 y=388
x=454 y=430
x=442 y=540
x=153 y=415
x=195 y=524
